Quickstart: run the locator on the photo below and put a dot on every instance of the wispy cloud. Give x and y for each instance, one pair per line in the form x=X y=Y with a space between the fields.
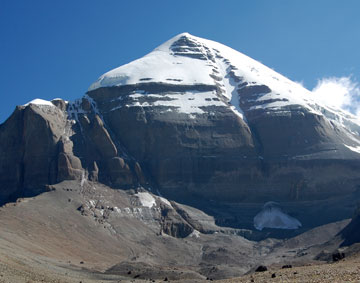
x=343 y=92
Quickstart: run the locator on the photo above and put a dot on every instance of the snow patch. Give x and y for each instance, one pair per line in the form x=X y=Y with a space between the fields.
x=74 y=109
x=39 y=101
x=117 y=210
x=271 y=216
x=195 y=234
x=353 y=148
x=83 y=179
x=164 y=200
x=146 y=199
x=230 y=89
x=185 y=102
x=60 y=99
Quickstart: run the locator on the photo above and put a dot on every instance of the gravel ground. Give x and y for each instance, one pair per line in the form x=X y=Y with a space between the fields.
x=47 y=239
x=347 y=270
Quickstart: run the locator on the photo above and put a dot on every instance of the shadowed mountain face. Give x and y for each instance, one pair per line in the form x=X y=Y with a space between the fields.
x=200 y=124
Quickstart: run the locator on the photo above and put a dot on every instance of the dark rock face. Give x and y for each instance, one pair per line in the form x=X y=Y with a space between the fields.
x=119 y=171
x=222 y=157
x=69 y=166
x=174 y=149
x=28 y=150
x=99 y=136
x=183 y=151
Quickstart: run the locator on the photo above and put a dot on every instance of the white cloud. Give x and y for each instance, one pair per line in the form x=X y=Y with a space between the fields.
x=341 y=92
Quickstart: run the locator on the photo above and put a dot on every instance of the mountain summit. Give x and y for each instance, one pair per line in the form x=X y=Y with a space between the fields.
x=196 y=122
x=221 y=67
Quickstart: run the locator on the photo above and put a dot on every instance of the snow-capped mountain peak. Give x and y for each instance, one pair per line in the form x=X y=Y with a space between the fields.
x=232 y=79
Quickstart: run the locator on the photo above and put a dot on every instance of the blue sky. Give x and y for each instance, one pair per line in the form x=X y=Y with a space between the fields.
x=56 y=48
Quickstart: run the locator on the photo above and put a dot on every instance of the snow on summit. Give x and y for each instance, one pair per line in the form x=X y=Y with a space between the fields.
x=160 y=65
x=173 y=63
x=39 y=101
x=188 y=60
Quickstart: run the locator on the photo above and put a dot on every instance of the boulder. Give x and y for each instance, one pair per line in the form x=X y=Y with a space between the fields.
x=261 y=268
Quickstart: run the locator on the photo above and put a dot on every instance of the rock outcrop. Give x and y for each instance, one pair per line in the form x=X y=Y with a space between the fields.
x=29 y=150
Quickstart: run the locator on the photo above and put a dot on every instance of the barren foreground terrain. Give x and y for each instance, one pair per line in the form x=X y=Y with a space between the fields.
x=347 y=270
x=91 y=233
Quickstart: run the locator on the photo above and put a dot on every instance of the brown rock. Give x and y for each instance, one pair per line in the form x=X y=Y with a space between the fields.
x=99 y=136
x=69 y=167
x=85 y=104
x=28 y=150
x=94 y=172
x=119 y=171
x=59 y=103
x=139 y=174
